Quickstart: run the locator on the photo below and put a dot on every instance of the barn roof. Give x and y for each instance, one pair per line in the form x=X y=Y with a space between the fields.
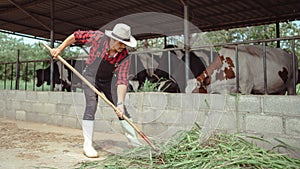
x=147 y=17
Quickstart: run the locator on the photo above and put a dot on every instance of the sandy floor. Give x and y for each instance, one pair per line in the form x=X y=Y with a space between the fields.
x=27 y=145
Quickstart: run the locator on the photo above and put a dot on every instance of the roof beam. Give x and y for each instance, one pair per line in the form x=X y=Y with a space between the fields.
x=85 y=6
x=26 y=26
x=12 y=8
x=64 y=21
x=30 y=15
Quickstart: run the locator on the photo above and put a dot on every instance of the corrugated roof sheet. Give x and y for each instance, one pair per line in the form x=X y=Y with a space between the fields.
x=206 y=15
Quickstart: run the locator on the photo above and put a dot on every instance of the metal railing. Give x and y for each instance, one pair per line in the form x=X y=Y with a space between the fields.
x=12 y=74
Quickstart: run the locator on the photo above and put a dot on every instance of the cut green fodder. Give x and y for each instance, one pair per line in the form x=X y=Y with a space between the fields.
x=220 y=151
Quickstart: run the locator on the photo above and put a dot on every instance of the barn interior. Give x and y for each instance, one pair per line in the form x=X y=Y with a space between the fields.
x=54 y=20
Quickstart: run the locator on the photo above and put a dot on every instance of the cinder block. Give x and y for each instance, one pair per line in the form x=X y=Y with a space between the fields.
x=55 y=119
x=76 y=110
x=135 y=100
x=188 y=117
x=154 y=129
x=239 y=122
x=31 y=96
x=135 y=113
x=151 y=114
x=27 y=105
x=67 y=97
x=264 y=124
x=2 y=106
x=11 y=94
x=202 y=102
x=174 y=101
x=201 y=116
x=61 y=108
x=43 y=97
x=56 y=97
x=106 y=113
x=72 y=110
x=37 y=117
x=174 y=132
x=44 y=108
x=20 y=95
x=32 y=116
x=78 y=99
x=169 y=117
x=49 y=108
x=15 y=104
x=116 y=127
x=282 y=105
x=21 y=115
x=293 y=126
x=3 y=94
x=222 y=121
x=156 y=100
x=244 y=103
x=10 y=110
x=189 y=102
x=38 y=107
x=217 y=102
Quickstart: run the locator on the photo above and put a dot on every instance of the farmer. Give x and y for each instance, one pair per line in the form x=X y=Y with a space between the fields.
x=107 y=69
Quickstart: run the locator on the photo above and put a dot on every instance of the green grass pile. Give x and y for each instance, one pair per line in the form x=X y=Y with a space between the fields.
x=220 y=151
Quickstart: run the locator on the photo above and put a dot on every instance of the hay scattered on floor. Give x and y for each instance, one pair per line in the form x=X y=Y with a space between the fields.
x=220 y=151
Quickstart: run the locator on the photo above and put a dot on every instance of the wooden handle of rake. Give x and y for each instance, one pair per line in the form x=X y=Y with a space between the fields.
x=103 y=98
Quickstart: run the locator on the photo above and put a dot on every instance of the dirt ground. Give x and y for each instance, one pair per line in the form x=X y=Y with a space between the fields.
x=26 y=145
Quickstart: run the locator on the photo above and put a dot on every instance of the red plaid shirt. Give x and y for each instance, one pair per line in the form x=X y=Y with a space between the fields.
x=93 y=39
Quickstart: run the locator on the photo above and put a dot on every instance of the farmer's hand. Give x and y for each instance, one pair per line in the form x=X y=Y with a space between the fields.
x=55 y=52
x=120 y=111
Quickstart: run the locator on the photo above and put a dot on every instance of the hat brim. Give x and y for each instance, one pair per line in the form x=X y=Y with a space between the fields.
x=132 y=42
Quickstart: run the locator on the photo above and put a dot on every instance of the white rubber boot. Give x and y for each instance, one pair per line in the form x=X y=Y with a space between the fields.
x=88 y=131
x=130 y=134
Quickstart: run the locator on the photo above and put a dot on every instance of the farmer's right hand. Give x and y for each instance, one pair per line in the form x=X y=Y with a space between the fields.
x=120 y=110
x=55 y=52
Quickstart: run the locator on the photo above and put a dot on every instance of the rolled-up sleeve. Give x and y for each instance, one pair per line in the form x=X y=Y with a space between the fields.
x=85 y=36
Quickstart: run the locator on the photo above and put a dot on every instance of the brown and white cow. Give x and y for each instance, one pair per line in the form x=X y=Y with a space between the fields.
x=220 y=75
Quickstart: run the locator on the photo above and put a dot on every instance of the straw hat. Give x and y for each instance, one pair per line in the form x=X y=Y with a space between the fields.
x=122 y=33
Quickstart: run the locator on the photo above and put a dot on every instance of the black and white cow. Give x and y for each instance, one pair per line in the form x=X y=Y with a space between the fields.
x=43 y=75
x=63 y=77
x=220 y=76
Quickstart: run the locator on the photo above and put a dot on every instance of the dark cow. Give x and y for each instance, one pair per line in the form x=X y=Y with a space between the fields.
x=220 y=76
x=141 y=69
x=63 y=78
x=176 y=80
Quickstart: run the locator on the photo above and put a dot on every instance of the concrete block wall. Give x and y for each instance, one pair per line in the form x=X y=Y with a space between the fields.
x=160 y=115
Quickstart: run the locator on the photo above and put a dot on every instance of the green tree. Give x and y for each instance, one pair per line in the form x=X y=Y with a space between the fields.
x=258 y=33
x=11 y=47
